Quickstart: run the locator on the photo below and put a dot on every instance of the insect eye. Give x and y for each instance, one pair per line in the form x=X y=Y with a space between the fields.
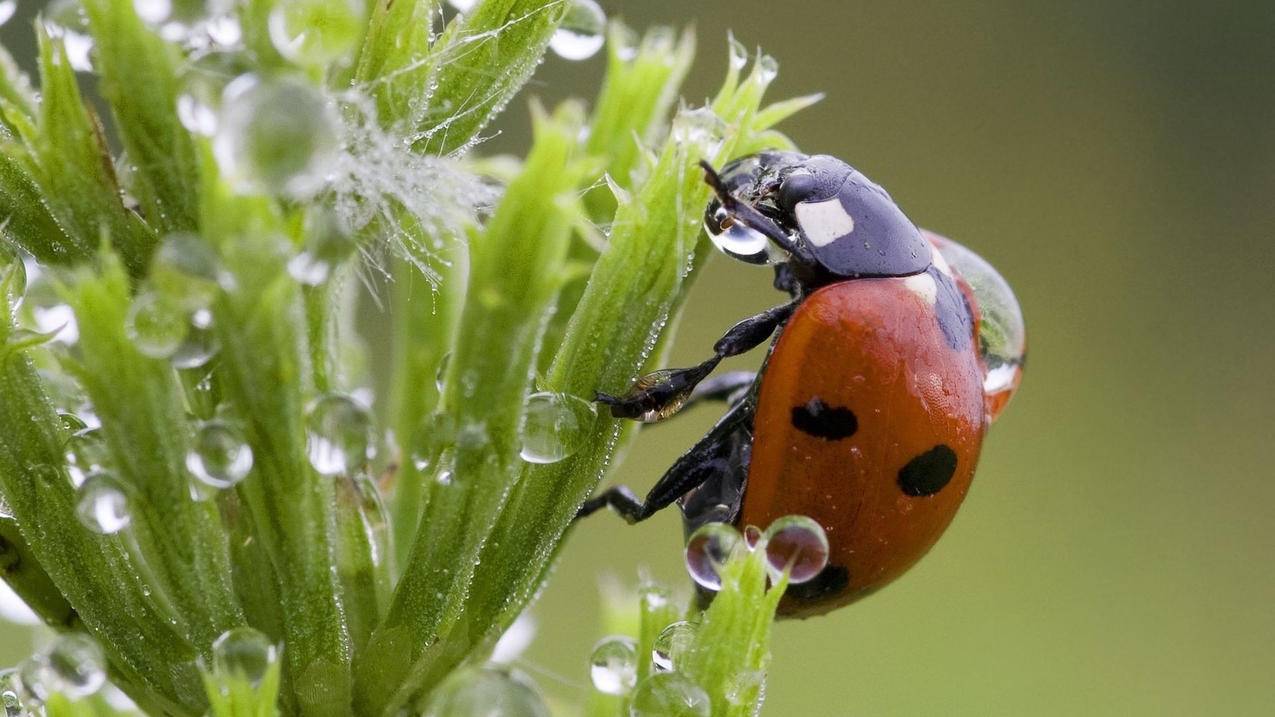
x=795 y=189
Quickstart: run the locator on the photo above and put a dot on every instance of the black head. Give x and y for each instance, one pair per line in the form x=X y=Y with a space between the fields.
x=816 y=213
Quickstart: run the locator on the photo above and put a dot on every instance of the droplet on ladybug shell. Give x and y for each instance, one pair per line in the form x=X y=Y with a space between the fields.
x=1002 y=335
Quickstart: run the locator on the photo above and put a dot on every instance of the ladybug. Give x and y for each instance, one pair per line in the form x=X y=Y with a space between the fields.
x=897 y=350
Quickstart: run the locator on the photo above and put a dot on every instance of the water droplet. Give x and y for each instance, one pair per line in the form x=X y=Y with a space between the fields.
x=654 y=597
x=613 y=665
x=200 y=344
x=219 y=456
x=700 y=130
x=14 y=279
x=327 y=244
x=102 y=504
x=72 y=666
x=275 y=136
x=752 y=536
x=66 y=19
x=7 y=8
x=339 y=435
x=155 y=325
x=243 y=653
x=86 y=451
x=47 y=312
x=11 y=695
x=440 y=377
x=432 y=437
x=1002 y=334
x=556 y=426
x=486 y=691
x=673 y=642
x=738 y=53
x=747 y=688
x=767 y=68
x=185 y=270
x=669 y=694
x=315 y=33
x=707 y=550
x=462 y=5
x=798 y=544
x=582 y=31
x=738 y=241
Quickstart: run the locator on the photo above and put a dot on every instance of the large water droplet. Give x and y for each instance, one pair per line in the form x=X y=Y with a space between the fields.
x=582 y=31
x=738 y=241
x=86 y=450
x=72 y=666
x=66 y=19
x=1002 y=334
x=613 y=665
x=669 y=694
x=700 y=130
x=219 y=457
x=7 y=8
x=672 y=644
x=797 y=544
x=339 y=435
x=486 y=692
x=707 y=550
x=556 y=426
x=200 y=344
x=275 y=136
x=327 y=244
x=315 y=33
x=155 y=325
x=102 y=504
x=243 y=653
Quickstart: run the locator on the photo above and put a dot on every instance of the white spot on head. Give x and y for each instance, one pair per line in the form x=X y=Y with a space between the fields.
x=923 y=286
x=824 y=222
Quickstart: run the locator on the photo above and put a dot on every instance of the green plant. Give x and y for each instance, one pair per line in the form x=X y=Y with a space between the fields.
x=244 y=493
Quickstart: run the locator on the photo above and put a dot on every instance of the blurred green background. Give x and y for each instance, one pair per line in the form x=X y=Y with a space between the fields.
x=1116 y=161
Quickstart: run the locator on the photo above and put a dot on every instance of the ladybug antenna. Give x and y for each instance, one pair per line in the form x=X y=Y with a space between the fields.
x=746 y=213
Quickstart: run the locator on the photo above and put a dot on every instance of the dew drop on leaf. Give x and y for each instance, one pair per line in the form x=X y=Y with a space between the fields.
x=102 y=504
x=669 y=694
x=555 y=427
x=315 y=33
x=11 y=695
x=339 y=434
x=486 y=691
x=155 y=325
x=201 y=343
x=797 y=544
x=219 y=457
x=582 y=31
x=327 y=244
x=243 y=653
x=66 y=19
x=707 y=550
x=673 y=642
x=72 y=666
x=613 y=665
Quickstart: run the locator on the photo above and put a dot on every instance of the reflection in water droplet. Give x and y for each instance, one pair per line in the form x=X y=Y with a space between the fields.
x=275 y=136
x=72 y=666
x=243 y=653
x=673 y=642
x=707 y=550
x=797 y=544
x=582 y=31
x=155 y=325
x=1002 y=335
x=219 y=457
x=613 y=665
x=315 y=33
x=486 y=691
x=738 y=241
x=752 y=536
x=339 y=435
x=102 y=504
x=669 y=694
x=555 y=427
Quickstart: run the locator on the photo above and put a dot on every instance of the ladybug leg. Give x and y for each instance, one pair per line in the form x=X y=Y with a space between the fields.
x=752 y=218
x=660 y=394
x=709 y=458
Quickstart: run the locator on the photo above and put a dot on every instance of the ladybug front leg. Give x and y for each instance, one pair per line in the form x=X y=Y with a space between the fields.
x=715 y=455
x=660 y=394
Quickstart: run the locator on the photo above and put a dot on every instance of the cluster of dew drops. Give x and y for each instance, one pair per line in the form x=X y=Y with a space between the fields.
x=73 y=665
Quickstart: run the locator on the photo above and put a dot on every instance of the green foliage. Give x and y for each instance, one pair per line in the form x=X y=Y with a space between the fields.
x=380 y=575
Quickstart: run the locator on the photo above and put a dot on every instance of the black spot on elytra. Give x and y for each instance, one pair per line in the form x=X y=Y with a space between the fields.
x=929 y=472
x=830 y=581
x=830 y=423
